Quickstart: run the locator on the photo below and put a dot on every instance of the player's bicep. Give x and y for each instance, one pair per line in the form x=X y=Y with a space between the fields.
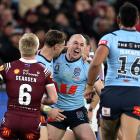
x=52 y=93
x=51 y=87
x=100 y=55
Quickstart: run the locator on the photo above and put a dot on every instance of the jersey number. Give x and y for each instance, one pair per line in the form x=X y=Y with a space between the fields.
x=135 y=67
x=24 y=94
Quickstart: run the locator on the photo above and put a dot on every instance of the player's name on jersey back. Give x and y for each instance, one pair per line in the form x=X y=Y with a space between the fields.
x=25 y=78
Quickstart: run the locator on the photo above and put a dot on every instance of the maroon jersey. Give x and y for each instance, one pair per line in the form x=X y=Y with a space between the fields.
x=26 y=81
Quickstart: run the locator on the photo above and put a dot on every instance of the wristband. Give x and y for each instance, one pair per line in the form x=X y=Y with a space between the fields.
x=89 y=87
x=46 y=108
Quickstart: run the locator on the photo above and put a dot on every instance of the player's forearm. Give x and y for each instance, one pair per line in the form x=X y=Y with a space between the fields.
x=98 y=86
x=49 y=101
x=93 y=73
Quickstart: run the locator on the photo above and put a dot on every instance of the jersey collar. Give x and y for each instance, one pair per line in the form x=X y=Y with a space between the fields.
x=28 y=61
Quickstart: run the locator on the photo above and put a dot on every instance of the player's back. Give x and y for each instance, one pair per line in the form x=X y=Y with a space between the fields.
x=124 y=58
x=43 y=60
x=25 y=84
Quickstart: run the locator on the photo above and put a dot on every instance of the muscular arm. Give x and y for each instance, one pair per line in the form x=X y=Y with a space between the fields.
x=51 y=97
x=94 y=69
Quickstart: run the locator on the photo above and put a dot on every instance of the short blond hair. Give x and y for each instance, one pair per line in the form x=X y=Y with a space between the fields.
x=28 y=44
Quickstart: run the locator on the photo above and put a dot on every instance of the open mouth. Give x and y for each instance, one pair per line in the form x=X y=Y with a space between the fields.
x=77 y=51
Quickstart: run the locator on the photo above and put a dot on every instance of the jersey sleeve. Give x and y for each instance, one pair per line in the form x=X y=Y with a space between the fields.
x=86 y=68
x=106 y=41
x=49 y=77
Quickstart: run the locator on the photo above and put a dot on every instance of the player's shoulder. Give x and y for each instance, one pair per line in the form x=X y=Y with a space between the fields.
x=40 y=66
x=60 y=57
x=84 y=63
x=112 y=34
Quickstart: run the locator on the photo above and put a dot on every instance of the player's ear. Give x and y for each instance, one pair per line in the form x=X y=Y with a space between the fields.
x=119 y=20
x=56 y=46
x=67 y=43
x=137 y=19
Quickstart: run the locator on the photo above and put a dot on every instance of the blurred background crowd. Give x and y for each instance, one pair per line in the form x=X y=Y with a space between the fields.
x=91 y=17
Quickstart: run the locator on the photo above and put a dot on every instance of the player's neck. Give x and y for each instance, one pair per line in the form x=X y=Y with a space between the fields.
x=28 y=58
x=47 y=53
x=127 y=28
x=70 y=58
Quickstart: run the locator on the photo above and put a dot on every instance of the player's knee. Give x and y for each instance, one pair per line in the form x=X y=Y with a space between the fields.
x=109 y=129
x=50 y=137
x=86 y=137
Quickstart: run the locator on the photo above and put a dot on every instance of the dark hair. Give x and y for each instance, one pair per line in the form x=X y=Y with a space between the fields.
x=54 y=37
x=128 y=14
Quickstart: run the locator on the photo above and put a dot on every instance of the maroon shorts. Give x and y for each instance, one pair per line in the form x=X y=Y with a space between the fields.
x=20 y=127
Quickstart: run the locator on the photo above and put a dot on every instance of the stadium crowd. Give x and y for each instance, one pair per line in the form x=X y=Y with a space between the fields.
x=52 y=43
x=94 y=18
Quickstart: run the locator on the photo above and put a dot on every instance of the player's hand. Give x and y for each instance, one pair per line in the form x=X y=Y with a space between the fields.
x=56 y=114
x=89 y=91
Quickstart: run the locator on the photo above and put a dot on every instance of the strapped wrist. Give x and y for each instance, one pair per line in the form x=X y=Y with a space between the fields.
x=90 y=84
x=46 y=108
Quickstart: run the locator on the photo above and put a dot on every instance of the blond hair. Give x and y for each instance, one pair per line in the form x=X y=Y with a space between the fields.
x=28 y=44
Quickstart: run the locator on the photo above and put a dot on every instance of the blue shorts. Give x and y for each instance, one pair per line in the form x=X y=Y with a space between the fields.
x=74 y=118
x=115 y=100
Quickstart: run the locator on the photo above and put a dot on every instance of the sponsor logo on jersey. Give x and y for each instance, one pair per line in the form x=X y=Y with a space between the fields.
x=6 y=132
x=129 y=45
x=106 y=111
x=136 y=110
x=1 y=67
x=77 y=72
x=30 y=136
x=102 y=42
x=16 y=71
x=27 y=73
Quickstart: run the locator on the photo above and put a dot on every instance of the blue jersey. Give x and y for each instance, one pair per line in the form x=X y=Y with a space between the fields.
x=71 y=78
x=48 y=64
x=124 y=58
